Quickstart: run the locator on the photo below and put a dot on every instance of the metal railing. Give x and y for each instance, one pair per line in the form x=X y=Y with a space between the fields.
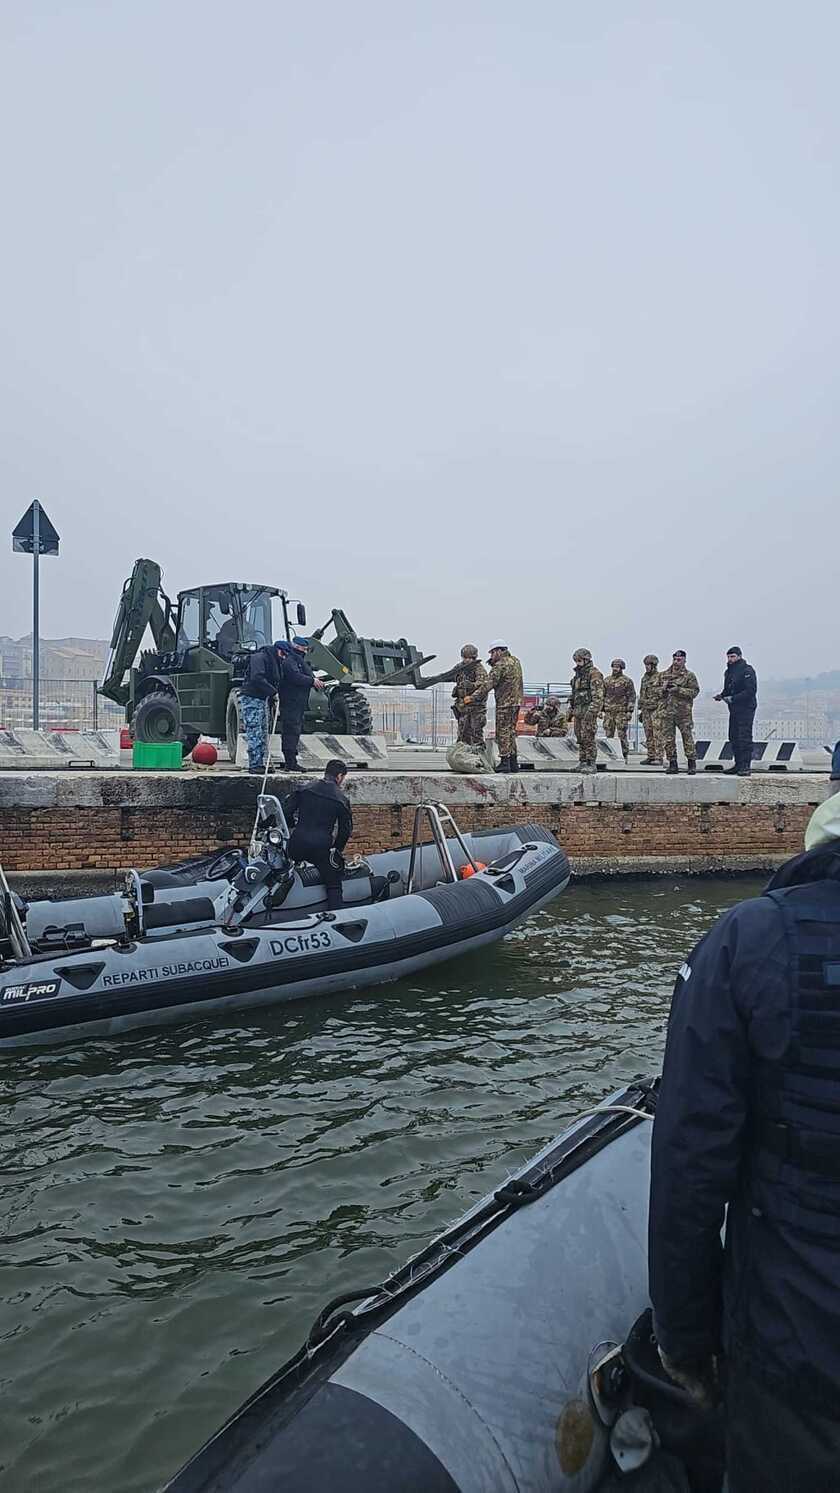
x=64 y=705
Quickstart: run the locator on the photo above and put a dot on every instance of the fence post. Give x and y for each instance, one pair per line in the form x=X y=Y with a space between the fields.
x=95 y=706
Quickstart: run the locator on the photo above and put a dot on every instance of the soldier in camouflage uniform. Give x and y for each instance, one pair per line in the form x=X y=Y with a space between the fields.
x=679 y=689
x=549 y=718
x=619 y=699
x=586 y=705
x=465 y=676
x=505 y=679
x=650 y=708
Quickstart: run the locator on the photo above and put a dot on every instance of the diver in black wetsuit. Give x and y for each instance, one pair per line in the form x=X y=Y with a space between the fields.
x=321 y=820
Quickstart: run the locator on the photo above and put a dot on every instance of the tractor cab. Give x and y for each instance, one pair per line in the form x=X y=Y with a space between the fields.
x=227 y=619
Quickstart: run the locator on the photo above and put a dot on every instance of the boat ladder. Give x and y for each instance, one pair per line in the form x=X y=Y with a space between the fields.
x=435 y=816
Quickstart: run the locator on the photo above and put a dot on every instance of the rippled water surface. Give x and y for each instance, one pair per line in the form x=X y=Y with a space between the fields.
x=177 y=1206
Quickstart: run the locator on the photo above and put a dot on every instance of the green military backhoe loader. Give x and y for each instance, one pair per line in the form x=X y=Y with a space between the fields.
x=188 y=685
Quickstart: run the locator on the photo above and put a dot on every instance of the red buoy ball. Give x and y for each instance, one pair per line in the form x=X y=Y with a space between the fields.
x=204 y=754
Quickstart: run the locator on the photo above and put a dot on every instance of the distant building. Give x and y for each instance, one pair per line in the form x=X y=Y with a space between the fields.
x=61 y=658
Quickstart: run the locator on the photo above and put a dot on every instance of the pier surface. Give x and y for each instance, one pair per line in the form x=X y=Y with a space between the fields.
x=95 y=823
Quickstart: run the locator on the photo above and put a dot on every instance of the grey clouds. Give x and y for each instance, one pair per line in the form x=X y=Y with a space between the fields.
x=472 y=319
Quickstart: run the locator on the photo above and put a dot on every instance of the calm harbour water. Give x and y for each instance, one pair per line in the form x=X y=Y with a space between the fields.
x=177 y=1205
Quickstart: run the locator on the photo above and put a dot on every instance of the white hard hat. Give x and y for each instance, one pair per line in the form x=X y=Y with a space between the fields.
x=497 y=643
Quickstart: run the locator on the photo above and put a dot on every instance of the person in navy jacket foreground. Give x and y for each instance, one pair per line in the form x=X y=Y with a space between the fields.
x=747 y=1131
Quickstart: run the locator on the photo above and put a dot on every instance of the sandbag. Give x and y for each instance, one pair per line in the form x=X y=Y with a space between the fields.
x=462 y=757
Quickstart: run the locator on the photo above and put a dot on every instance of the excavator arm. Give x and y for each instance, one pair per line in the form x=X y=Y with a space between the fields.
x=140 y=607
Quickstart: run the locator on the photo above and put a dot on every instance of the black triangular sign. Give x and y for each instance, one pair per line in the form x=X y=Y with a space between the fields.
x=23 y=536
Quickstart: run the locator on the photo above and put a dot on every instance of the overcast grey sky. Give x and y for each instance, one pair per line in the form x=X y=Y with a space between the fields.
x=474 y=319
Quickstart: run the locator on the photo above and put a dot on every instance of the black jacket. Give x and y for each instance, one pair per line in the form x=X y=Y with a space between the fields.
x=740 y=686
x=769 y=1298
x=296 y=679
x=262 y=675
x=321 y=815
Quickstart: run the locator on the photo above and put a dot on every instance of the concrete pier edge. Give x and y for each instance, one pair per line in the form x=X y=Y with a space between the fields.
x=82 y=826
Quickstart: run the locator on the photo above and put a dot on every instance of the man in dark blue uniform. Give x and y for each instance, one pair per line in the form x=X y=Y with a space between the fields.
x=749 y=1119
x=296 y=681
x=740 y=691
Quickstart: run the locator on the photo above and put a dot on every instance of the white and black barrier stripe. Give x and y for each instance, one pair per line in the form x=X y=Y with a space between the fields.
x=24 y=748
x=560 y=753
x=316 y=750
x=716 y=755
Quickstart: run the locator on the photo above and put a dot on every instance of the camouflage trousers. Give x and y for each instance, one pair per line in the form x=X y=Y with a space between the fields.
x=254 y=715
x=506 y=729
x=586 y=726
x=615 y=724
x=471 y=723
x=678 y=717
x=652 y=727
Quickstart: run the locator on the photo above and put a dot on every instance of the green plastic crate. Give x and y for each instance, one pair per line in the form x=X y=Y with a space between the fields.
x=158 y=756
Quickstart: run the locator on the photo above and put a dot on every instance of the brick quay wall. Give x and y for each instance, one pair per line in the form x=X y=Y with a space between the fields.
x=94 y=824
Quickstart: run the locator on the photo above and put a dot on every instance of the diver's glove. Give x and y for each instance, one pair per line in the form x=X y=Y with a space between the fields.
x=336 y=860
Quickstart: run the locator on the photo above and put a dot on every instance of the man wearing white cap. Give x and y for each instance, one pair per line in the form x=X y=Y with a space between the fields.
x=505 y=679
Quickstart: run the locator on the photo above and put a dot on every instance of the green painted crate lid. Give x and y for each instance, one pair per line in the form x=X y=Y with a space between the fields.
x=158 y=756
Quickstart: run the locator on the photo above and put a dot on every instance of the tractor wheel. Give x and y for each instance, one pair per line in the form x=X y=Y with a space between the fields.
x=233 y=724
x=351 y=711
x=157 y=718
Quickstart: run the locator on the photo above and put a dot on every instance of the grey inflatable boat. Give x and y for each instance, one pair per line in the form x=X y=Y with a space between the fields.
x=235 y=930
x=497 y=1359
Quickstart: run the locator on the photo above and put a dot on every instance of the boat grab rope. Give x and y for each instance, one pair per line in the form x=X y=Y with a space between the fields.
x=326 y=1322
x=518 y=1190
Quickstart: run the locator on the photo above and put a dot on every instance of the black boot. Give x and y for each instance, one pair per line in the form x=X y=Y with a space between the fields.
x=728 y=772
x=692 y=766
x=504 y=765
x=672 y=766
x=514 y=762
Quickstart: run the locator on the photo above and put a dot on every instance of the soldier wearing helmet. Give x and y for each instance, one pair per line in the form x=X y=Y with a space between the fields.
x=549 y=718
x=505 y=680
x=650 y=711
x=586 y=705
x=465 y=677
x=619 y=700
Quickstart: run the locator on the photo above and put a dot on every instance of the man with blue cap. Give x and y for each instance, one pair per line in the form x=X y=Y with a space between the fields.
x=296 y=680
x=259 y=688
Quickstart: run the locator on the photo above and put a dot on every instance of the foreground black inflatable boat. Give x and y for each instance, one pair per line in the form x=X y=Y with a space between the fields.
x=491 y=1362
x=235 y=930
